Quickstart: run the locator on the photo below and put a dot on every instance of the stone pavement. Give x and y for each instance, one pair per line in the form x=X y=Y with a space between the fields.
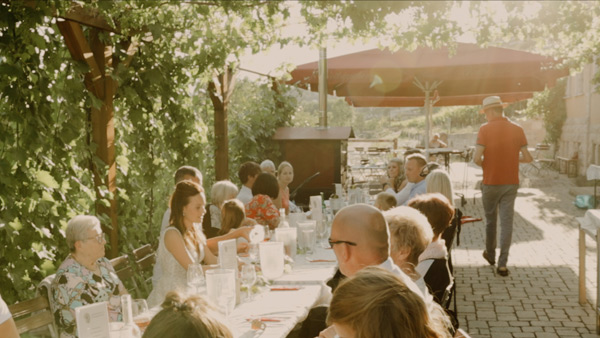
x=540 y=296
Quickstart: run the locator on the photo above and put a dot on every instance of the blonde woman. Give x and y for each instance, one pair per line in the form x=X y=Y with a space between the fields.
x=439 y=181
x=285 y=176
x=361 y=308
x=394 y=179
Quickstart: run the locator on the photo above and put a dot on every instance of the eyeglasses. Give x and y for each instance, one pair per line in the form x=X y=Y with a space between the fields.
x=332 y=243
x=99 y=238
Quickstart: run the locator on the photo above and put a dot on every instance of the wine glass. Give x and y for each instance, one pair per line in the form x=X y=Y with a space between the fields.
x=141 y=317
x=253 y=252
x=248 y=277
x=195 y=276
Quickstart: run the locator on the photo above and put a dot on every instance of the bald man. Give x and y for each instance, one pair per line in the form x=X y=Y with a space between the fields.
x=360 y=237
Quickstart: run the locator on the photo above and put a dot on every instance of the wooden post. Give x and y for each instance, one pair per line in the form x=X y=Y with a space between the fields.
x=220 y=95
x=98 y=57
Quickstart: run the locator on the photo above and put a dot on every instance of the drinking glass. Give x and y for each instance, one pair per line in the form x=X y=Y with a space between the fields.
x=253 y=252
x=248 y=277
x=221 y=287
x=289 y=237
x=322 y=233
x=141 y=317
x=308 y=241
x=271 y=259
x=195 y=277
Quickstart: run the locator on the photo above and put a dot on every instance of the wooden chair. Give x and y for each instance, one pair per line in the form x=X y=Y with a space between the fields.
x=145 y=258
x=33 y=314
x=125 y=272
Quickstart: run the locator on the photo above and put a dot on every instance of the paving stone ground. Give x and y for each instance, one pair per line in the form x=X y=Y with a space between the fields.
x=540 y=296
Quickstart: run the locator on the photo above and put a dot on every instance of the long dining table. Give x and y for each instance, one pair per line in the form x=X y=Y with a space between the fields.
x=282 y=305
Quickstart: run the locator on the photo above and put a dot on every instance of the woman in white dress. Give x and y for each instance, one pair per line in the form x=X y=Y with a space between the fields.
x=181 y=243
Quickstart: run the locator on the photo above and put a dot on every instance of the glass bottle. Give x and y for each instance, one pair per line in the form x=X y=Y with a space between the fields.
x=129 y=329
x=283 y=223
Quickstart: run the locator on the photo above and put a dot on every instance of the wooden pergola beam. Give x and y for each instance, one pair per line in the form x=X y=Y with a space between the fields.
x=219 y=91
x=99 y=58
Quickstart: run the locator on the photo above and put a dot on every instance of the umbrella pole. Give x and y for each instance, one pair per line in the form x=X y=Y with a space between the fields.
x=427 y=118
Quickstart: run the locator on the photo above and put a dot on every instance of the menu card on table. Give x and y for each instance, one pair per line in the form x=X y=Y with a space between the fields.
x=92 y=320
x=228 y=254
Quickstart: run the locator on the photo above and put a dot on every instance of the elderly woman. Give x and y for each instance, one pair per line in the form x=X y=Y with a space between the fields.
x=410 y=233
x=220 y=192
x=181 y=243
x=261 y=208
x=267 y=166
x=85 y=277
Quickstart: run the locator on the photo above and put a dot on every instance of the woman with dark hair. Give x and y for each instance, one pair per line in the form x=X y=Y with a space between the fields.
x=261 y=208
x=181 y=243
x=191 y=317
x=433 y=261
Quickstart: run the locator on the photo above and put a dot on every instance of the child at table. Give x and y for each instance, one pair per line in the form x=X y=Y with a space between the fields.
x=385 y=201
x=233 y=216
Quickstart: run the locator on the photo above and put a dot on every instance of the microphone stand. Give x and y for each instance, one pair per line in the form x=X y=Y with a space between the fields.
x=293 y=193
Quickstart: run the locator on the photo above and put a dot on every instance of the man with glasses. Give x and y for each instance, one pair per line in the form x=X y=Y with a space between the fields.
x=360 y=238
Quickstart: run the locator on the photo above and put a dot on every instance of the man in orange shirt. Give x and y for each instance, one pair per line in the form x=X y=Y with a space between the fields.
x=499 y=145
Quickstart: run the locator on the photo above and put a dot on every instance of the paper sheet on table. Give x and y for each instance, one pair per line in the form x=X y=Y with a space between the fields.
x=92 y=320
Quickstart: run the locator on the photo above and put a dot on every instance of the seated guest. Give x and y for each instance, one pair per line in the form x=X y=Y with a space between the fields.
x=219 y=193
x=285 y=176
x=433 y=262
x=394 y=179
x=376 y=303
x=267 y=166
x=412 y=169
x=7 y=323
x=360 y=238
x=385 y=201
x=233 y=216
x=439 y=181
x=410 y=234
x=181 y=244
x=261 y=208
x=247 y=174
x=85 y=276
x=183 y=173
x=191 y=317
x=437 y=142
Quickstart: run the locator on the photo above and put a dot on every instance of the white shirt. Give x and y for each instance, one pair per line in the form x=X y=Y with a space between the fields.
x=4 y=312
x=402 y=195
x=418 y=288
x=245 y=195
x=165 y=220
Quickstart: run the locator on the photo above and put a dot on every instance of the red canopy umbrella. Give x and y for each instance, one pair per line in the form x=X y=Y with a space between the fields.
x=382 y=78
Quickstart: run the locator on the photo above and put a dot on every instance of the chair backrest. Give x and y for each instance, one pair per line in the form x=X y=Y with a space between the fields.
x=145 y=257
x=125 y=272
x=142 y=252
x=33 y=314
x=447 y=297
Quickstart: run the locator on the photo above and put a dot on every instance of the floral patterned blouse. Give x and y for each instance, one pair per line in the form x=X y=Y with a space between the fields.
x=263 y=211
x=75 y=285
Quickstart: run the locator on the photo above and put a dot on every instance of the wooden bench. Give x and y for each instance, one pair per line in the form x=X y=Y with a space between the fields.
x=567 y=166
x=33 y=314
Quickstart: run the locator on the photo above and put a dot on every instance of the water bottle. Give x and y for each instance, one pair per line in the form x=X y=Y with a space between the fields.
x=130 y=329
x=283 y=223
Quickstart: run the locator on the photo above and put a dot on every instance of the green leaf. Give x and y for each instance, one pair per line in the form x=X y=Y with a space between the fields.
x=46 y=179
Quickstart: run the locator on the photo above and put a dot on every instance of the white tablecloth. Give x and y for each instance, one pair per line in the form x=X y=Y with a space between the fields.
x=307 y=271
